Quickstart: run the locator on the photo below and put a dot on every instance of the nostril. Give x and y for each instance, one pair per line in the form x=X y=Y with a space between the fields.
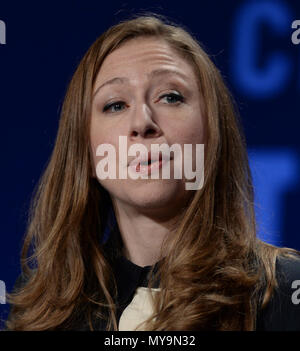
x=147 y=132
x=150 y=132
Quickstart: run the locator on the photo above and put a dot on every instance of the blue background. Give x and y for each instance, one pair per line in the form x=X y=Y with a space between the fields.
x=249 y=41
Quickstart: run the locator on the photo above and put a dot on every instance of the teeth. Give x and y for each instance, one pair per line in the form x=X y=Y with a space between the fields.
x=146 y=163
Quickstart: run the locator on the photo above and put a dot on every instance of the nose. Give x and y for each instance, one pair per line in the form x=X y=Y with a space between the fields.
x=142 y=124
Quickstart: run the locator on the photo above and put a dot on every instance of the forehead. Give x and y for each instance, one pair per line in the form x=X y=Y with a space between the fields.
x=140 y=56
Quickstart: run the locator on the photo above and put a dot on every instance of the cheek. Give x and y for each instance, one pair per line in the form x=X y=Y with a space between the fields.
x=188 y=131
x=195 y=129
x=98 y=136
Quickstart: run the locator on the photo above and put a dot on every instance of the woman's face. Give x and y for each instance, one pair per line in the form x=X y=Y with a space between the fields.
x=148 y=93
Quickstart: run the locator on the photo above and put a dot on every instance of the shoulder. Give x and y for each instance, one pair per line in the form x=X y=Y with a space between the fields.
x=283 y=310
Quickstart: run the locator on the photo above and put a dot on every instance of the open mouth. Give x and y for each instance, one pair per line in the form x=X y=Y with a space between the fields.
x=151 y=166
x=147 y=164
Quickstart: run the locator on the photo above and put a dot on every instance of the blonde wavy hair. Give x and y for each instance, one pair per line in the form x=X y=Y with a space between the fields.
x=216 y=273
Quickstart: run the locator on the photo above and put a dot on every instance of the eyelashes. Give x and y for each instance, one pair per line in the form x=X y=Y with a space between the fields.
x=171 y=98
x=109 y=107
x=178 y=97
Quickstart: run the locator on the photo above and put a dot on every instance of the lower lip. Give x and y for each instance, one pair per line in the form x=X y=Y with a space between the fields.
x=148 y=169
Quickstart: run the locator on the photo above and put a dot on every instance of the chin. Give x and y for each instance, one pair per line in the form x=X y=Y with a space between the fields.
x=154 y=195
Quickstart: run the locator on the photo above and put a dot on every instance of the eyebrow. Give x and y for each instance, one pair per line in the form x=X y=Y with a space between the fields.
x=155 y=73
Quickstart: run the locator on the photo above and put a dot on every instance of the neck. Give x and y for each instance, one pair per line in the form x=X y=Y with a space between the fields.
x=143 y=234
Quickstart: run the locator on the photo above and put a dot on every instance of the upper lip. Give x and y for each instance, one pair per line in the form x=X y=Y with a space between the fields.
x=147 y=157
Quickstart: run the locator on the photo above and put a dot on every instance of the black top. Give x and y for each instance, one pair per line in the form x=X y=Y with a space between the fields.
x=281 y=314
x=283 y=311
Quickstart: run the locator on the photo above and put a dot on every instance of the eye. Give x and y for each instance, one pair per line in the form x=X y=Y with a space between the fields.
x=114 y=106
x=172 y=98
